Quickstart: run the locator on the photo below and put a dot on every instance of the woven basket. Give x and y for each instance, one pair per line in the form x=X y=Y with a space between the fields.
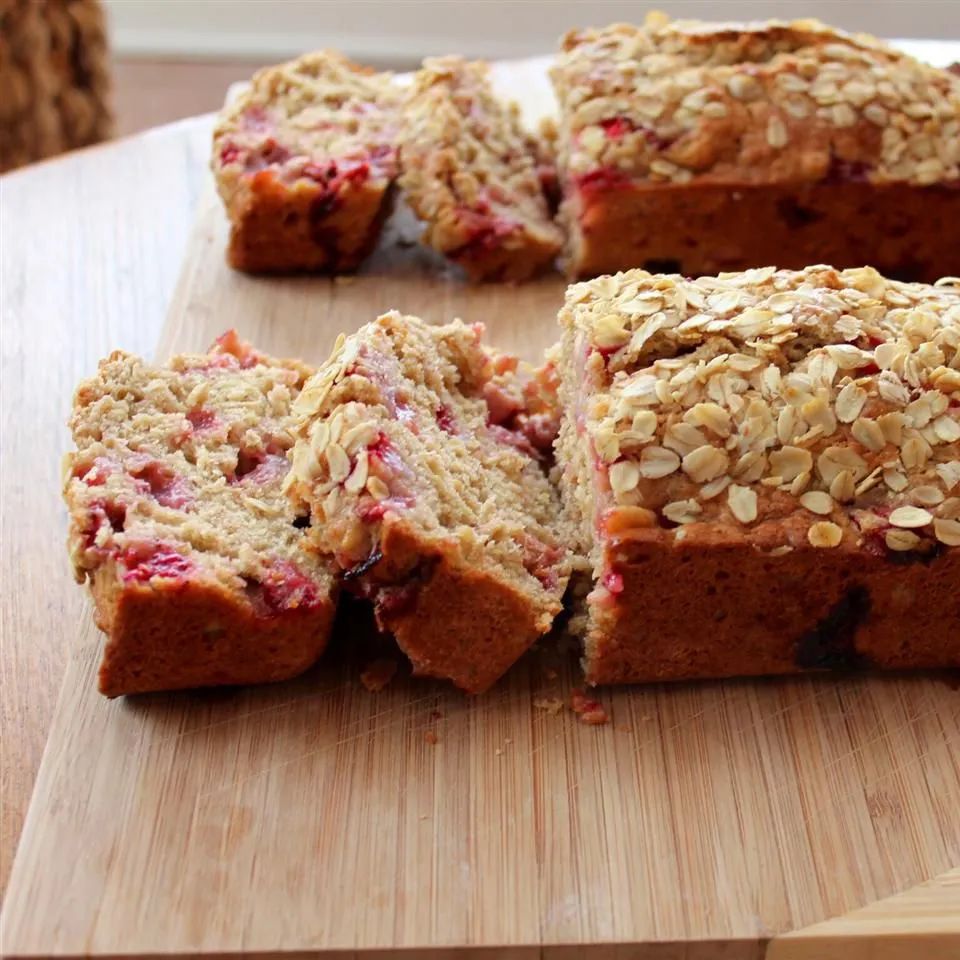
x=54 y=78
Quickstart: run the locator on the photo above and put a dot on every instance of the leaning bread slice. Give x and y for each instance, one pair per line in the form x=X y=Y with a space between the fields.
x=424 y=488
x=178 y=522
x=474 y=175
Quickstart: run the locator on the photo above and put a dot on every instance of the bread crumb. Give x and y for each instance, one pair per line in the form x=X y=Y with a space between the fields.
x=378 y=674
x=552 y=705
x=431 y=738
x=588 y=710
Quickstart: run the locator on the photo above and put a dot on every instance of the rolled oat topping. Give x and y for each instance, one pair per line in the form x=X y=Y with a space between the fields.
x=757 y=102
x=766 y=395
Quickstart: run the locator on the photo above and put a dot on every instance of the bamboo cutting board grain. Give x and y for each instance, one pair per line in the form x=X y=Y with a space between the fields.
x=315 y=818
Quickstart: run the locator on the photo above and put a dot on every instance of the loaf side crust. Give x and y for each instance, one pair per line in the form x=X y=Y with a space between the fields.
x=172 y=635
x=452 y=620
x=906 y=231
x=717 y=605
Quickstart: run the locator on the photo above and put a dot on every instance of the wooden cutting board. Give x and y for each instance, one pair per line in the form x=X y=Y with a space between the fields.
x=735 y=819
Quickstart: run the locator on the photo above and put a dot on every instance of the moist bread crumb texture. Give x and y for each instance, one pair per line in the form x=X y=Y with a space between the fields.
x=764 y=469
x=178 y=522
x=474 y=176
x=699 y=147
x=419 y=455
x=304 y=161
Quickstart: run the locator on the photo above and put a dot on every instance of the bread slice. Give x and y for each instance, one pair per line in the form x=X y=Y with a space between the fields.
x=764 y=469
x=178 y=522
x=304 y=161
x=418 y=462
x=473 y=175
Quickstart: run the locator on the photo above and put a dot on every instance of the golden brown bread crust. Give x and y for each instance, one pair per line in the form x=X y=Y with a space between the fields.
x=906 y=231
x=504 y=263
x=282 y=229
x=678 y=138
x=452 y=620
x=722 y=606
x=179 y=635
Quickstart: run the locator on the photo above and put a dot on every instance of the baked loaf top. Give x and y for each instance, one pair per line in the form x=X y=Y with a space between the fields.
x=413 y=424
x=321 y=118
x=816 y=406
x=470 y=169
x=753 y=103
x=178 y=473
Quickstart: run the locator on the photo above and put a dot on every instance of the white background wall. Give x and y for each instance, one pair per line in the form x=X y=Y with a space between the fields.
x=399 y=32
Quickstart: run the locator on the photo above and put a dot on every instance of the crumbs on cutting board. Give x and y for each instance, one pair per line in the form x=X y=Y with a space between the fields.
x=589 y=710
x=586 y=708
x=378 y=674
x=552 y=705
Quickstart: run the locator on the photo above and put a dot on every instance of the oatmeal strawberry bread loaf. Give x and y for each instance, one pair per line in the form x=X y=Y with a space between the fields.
x=474 y=175
x=426 y=488
x=304 y=162
x=764 y=469
x=701 y=147
x=179 y=524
